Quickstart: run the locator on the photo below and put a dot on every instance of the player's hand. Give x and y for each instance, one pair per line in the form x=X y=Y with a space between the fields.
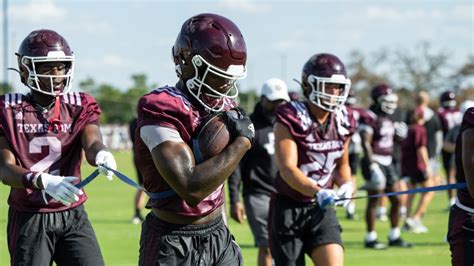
x=105 y=158
x=237 y=212
x=346 y=191
x=60 y=188
x=326 y=198
x=239 y=123
x=377 y=177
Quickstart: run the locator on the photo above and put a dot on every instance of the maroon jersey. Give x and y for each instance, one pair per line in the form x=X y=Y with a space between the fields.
x=412 y=161
x=35 y=148
x=463 y=194
x=450 y=117
x=383 y=131
x=172 y=108
x=318 y=150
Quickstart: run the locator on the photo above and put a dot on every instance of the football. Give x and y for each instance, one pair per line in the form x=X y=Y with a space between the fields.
x=211 y=139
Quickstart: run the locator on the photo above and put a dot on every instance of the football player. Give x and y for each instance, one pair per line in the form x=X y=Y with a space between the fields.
x=450 y=117
x=187 y=228
x=461 y=217
x=42 y=137
x=311 y=143
x=377 y=133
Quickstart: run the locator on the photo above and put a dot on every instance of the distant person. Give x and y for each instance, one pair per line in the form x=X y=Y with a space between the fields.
x=416 y=165
x=450 y=116
x=355 y=149
x=449 y=143
x=377 y=133
x=43 y=137
x=140 y=196
x=311 y=144
x=461 y=216
x=257 y=170
x=434 y=133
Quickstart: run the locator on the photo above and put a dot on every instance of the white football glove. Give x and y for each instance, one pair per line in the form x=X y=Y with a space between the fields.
x=377 y=177
x=345 y=191
x=105 y=158
x=326 y=198
x=60 y=188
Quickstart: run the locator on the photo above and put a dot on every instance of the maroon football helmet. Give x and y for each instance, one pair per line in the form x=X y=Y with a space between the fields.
x=384 y=97
x=43 y=46
x=448 y=99
x=319 y=70
x=210 y=56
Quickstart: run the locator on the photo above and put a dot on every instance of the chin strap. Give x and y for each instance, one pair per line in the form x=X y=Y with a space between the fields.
x=55 y=122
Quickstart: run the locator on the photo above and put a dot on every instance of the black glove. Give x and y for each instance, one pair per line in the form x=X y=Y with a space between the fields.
x=239 y=123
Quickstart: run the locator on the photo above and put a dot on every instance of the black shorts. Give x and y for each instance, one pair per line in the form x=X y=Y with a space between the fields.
x=162 y=243
x=417 y=177
x=354 y=162
x=388 y=170
x=461 y=236
x=65 y=237
x=448 y=161
x=297 y=228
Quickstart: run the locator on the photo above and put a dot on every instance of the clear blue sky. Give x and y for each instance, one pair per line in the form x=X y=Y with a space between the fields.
x=114 y=39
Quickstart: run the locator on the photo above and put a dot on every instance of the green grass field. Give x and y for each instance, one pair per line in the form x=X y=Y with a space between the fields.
x=110 y=208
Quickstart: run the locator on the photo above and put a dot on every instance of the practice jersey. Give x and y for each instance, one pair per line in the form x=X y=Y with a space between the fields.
x=450 y=117
x=318 y=148
x=355 y=147
x=463 y=194
x=383 y=131
x=412 y=161
x=41 y=150
x=171 y=107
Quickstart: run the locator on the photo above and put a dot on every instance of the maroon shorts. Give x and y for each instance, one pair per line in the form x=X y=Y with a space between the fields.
x=461 y=236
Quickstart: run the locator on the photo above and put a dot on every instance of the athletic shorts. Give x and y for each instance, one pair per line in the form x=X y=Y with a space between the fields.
x=417 y=177
x=65 y=237
x=256 y=208
x=162 y=243
x=461 y=236
x=296 y=228
x=388 y=170
x=448 y=161
x=354 y=162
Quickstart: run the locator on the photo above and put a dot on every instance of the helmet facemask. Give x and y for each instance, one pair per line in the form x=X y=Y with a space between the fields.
x=32 y=80
x=328 y=101
x=388 y=103
x=214 y=99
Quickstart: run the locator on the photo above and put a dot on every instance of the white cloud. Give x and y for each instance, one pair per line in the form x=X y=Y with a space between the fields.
x=383 y=13
x=244 y=6
x=37 y=11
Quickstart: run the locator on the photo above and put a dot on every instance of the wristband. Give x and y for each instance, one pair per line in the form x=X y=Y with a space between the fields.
x=30 y=180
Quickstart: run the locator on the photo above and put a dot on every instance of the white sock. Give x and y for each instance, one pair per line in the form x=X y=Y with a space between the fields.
x=351 y=208
x=381 y=211
x=452 y=201
x=371 y=236
x=403 y=210
x=394 y=233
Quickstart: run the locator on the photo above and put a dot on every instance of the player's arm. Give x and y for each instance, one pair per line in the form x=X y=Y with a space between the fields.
x=10 y=173
x=286 y=153
x=343 y=168
x=468 y=158
x=95 y=150
x=423 y=152
x=92 y=143
x=366 y=135
x=194 y=182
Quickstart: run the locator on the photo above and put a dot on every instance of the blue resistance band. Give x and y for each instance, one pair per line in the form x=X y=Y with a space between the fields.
x=127 y=180
x=411 y=191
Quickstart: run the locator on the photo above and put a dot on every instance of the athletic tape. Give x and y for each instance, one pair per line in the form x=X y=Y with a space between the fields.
x=128 y=181
x=411 y=191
